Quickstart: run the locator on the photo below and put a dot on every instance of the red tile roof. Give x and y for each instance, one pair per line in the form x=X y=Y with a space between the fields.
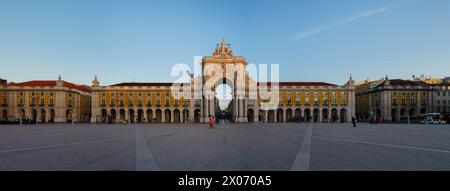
x=147 y=84
x=301 y=84
x=51 y=83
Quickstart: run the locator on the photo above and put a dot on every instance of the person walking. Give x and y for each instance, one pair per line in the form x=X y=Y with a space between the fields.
x=354 y=121
x=211 y=122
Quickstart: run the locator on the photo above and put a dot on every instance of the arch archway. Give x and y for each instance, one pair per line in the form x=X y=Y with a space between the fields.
x=325 y=114
x=298 y=112
x=34 y=115
x=271 y=116
x=225 y=68
x=378 y=113
x=261 y=116
x=149 y=115
x=167 y=116
x=5 y=115
x=334 y=115
x=22 y=114
x=104 y=118
x=197 y=115
x=224 y=99
x=289 y=115
x=42 y=116
x=307 y=114
x=412 y=114
x=122 y=115
x=250 y=115
x=403 y=114
x=52 y=115
x=280 y=115
x=343 y=115
x=69 y=116
x=158 y=115
x=113 y=116
x=140 y=116
x=131 y=115
x=185 y=115
x=315 y=115
x=395 y=115
x=176 y=116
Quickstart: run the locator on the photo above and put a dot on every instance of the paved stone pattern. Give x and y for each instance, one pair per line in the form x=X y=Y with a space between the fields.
x=258 y=146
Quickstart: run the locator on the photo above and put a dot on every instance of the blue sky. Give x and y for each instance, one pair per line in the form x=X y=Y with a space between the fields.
x=134 y=40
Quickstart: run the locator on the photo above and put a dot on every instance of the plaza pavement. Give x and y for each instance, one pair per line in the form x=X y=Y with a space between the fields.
x=256 y=146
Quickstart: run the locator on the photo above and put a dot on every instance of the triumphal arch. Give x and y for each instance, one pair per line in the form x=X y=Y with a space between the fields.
x=225 y=68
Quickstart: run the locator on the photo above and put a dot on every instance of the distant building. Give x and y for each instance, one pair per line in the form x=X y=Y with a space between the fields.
x=393 y=99
x=44 y=101
x=441 y=95
x=154 y=102
x=61 y=101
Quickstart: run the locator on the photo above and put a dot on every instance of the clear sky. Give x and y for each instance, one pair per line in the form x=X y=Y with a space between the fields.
x=134 y=40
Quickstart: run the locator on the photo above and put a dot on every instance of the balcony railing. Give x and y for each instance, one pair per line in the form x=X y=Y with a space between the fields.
x=4 y=105
x=102 y=105
x=19 y=105
x=41 y=105
x=32 y=105
x=149 y=104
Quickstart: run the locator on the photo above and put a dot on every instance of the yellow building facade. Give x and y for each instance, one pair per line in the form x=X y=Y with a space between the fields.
x=137 y=102
x=45 y=101
x=393 y=100
x=311 y=101
x=153 y=102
